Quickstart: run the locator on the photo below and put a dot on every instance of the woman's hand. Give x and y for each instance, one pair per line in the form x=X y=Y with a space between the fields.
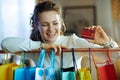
x=57 y=48
x=101 y=37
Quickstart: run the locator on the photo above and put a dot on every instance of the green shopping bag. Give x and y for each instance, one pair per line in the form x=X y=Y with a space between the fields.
x=68 y=73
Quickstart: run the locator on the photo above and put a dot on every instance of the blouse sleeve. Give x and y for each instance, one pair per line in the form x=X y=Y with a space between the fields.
x=80 y=42
x=14 y=44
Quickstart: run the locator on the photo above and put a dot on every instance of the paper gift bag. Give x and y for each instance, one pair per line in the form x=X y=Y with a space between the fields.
x=45 y=73
x=84 y=74
x=6 y=71
x=24 y=72
x=68 y=73
x=11 y=71
x=117 y=64
x=19 y=73
x=30 y=73
x=106 y=71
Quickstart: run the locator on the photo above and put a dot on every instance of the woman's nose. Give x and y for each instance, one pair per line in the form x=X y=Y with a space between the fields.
x=50 y=27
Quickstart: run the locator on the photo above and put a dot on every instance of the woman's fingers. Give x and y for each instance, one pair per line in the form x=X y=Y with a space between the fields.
x=90 y=27
x=100 y=36
x=57 y=48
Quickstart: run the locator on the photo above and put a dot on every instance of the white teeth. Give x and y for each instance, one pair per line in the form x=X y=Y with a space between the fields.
x=51 y=34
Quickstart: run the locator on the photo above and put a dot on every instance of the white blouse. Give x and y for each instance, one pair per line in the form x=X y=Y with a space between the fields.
x=13 y=44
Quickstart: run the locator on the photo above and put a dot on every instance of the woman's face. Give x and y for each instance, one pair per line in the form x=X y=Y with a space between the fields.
x=50 y=25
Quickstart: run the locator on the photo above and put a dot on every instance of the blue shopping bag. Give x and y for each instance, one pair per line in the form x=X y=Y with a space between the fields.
x=24 y=72
x=45 y=73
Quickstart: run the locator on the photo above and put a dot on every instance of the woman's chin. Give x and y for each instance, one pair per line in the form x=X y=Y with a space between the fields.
x=51 y=40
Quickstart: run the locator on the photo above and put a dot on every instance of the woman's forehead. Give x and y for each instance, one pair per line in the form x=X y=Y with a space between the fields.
x=49 y=16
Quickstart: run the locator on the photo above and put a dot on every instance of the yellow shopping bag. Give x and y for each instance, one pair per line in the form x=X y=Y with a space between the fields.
x=83 y=74
x=6 y=71
x=11 y=72
x=117 y=65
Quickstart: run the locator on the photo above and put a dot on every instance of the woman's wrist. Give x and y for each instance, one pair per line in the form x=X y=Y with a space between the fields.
x=41 y=45
x=108 y=44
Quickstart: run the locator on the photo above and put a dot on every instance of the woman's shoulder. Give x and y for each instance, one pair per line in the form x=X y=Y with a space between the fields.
x=13 y=40
x=13 y=44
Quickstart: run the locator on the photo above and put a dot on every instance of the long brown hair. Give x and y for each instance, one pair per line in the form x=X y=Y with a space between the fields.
x=39 y=8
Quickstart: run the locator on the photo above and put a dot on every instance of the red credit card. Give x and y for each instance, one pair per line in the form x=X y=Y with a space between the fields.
x=89 y=34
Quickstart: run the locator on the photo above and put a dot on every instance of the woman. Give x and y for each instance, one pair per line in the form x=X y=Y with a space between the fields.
x=48 y=28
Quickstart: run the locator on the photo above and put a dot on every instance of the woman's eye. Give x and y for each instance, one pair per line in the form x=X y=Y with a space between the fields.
x=44 y=25
x=55 y=23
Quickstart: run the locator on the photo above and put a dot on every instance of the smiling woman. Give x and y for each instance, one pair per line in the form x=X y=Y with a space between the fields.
x=52 y=28
x=47 y=33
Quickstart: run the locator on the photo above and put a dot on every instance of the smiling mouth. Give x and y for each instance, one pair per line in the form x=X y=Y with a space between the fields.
x=51 y=35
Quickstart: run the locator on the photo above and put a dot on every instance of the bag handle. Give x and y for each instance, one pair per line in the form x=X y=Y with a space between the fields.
x=41 y=58
x=5 y=59
x=22 y=60
x=108 y=55
x=90 y=61
x=52 y=58
x=73 y=58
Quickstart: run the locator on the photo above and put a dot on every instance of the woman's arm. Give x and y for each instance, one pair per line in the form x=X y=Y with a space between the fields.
x=14 y=44
x=101 y=38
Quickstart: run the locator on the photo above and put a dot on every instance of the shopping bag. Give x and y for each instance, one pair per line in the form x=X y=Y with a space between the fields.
x=6 y=71
x=45 y=73
x=106 y=71
x=24 y=72
x=30 y=73
x=68 y=73
x=85 y=72
x=11 y=71
x=117 y=64
x=19 y=73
